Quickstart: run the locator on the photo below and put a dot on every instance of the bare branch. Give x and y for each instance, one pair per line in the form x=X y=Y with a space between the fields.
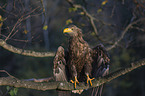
x=87 y=14
x=7 y=73
x=141 y=29
x=124 y=32
x=66 y=85
x=25 y=52
x=92 y=19
x=3 y=9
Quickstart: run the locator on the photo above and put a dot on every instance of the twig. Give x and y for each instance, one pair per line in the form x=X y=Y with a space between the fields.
x=92 y=19
x=124 y=32
x=112 y=12
x=3 y=9
x=141 y=29
x=139 y=4
x=19 y=20
x=7 y=73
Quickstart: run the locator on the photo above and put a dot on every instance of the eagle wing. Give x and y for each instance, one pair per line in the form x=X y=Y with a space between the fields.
x=100 y=66
x=59 y=70
x=59 y=65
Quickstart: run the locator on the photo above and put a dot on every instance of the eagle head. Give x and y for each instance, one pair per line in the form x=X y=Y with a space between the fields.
x=73 y=31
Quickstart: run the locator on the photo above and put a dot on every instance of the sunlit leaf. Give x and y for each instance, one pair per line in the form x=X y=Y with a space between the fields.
x=104 y=2
x=45 y=27
x=69 y=21
x=82 y=24
x=15 y=91
x=1 y=24
x=82 y=13
x=8 y=87
x=93 y=34
x=25 y=31
x=1 y=19
x=72 y=9
x=99 y=10
x=12 y=93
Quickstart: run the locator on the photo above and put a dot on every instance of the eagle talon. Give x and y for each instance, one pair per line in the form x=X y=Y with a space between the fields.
x=75 y=81
x=89 y=80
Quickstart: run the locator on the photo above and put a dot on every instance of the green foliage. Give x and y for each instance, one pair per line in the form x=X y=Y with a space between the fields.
x=25 y=31
x=102 y=5
x=104 y=2
x=72 y=9
x=82 y=13
x=8 y=87
x=99 y=10
x=1 y=21
x=69 y=21
x=45 y=27
x=12 y=92
x=93 y=34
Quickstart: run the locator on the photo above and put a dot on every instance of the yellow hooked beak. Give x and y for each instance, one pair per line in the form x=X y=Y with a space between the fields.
x=67 y=30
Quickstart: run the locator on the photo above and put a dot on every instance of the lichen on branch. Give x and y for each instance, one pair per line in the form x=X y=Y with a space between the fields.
x=66 y=85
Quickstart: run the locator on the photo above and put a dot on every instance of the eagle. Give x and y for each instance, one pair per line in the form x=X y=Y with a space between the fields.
x=79 y=62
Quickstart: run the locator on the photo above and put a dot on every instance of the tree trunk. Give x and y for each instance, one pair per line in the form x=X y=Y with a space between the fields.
x=28 y=23
x=45 y=19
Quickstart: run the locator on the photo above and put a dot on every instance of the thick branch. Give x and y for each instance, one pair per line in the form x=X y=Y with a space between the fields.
x=65 y=85
x=25 y=52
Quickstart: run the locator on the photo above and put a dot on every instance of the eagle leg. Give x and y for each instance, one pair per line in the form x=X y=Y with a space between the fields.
x=75 y=81
x=89 y=80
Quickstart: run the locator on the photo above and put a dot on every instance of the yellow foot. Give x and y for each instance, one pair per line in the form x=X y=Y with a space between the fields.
x=89 y=80
x=75 y=81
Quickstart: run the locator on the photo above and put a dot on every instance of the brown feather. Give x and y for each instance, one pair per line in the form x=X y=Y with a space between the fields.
x=79 y=54
x=80 y=60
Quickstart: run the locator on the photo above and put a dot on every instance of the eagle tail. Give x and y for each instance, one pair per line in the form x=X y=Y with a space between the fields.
x=97 y=91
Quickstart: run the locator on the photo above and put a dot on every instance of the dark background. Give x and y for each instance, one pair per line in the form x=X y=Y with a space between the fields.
x=114 y=16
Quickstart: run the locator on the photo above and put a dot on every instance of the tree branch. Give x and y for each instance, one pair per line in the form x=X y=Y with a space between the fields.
x=66 y=85
x=25 y=52
x=50 y=54
x=92 y=19
x=124 y=32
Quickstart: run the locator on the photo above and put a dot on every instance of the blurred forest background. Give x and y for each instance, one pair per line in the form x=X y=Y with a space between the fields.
x=26 y=25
